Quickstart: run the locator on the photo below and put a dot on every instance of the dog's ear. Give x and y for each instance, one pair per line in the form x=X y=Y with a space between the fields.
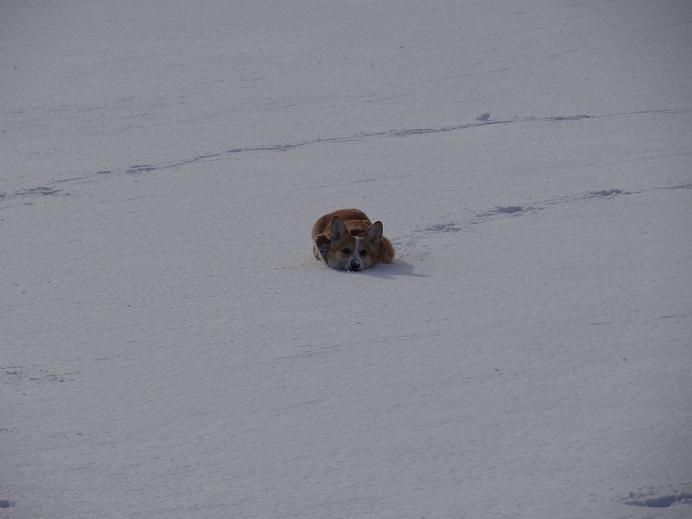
x=374 y=234
x=321 y=240
x=338 y=229
x=322 y=243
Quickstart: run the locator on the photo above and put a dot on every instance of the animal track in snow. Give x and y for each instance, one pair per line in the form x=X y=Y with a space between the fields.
x=42 y=190
x=482 y=120
x=141 y=168
x=519 y=210
x=682 y=186
x=578 y=117
x=30 y=193
x=444 y=227
x=412 y=240
x=665 y=501
x=508 y=210
x=604 y=193
x=17 y=377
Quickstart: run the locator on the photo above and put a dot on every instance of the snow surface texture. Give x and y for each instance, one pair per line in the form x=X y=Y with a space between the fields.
x=170 y=348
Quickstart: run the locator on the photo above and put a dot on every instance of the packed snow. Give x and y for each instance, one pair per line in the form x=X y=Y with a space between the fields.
x=169 y=348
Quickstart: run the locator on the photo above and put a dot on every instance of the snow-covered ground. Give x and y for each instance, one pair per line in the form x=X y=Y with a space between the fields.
x=170 y=349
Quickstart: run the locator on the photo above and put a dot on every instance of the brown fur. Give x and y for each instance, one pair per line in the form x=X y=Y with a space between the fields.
x=357 y=224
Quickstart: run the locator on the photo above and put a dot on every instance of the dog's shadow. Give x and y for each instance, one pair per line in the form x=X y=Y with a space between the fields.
x=397 y=268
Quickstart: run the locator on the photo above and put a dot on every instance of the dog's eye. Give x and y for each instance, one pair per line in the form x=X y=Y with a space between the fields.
x=363 y=252
x=346 y=250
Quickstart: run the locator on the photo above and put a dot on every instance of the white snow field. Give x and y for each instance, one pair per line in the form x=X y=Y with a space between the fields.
x=169 y=348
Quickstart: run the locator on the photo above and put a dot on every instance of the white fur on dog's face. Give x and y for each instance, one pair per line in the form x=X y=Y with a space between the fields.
x=353 y=253
x=355 y=259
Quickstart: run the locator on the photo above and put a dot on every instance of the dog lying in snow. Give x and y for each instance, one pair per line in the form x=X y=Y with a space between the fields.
x=346 y=239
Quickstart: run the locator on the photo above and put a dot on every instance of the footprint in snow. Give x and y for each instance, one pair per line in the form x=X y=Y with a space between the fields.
x=141 y=168
x=607 y=193
x=659 y=501
x=444 y=227
x=42 y=190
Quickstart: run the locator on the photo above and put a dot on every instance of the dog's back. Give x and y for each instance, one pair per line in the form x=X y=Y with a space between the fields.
x=354 y=219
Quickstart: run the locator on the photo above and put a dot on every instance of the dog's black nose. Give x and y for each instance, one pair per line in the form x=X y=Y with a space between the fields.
x=355 y=265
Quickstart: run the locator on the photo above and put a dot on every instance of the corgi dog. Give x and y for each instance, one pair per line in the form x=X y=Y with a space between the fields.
x=346 y=239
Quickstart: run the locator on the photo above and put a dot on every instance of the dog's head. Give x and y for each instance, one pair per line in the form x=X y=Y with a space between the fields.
x=342 y=250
